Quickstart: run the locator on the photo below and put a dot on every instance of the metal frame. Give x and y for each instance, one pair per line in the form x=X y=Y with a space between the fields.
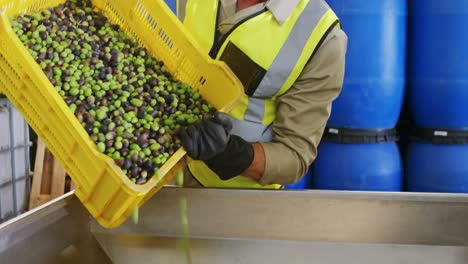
x=56 y=232
x=241 y=226
x=326 y=216
x=6 y=106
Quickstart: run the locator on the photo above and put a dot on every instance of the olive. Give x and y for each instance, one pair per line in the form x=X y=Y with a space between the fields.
x=141 y=181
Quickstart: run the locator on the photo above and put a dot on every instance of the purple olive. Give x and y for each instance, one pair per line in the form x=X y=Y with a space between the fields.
x=135 y=158
x=141 y=181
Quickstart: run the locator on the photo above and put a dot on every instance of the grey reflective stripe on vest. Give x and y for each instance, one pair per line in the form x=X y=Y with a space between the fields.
x=255 y=110
x=251 y=131
x=287 y=58
x=251 y=128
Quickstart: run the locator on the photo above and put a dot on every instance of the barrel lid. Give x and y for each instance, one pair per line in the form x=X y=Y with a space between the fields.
x=439 y=136
x=360 y=136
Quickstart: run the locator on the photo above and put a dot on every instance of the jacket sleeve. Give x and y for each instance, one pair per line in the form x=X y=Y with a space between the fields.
x=303 y=112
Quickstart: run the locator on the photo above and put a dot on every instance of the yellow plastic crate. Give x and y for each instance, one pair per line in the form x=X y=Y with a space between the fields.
x=102 y=187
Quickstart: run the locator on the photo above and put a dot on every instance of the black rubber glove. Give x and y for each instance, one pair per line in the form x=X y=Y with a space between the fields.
x=211 y=141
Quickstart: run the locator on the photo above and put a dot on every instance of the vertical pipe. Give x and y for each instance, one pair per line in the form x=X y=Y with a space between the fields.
x=27 y=166
x=2 y=109
x=12 y=151
x=1 y=215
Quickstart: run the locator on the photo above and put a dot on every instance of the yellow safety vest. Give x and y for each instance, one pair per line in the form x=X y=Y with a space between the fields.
x=267 y=58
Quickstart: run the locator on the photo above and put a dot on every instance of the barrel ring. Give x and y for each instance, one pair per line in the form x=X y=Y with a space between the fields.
x=360 y=136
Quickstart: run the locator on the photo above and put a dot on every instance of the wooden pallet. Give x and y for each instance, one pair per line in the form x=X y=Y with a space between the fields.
x=50 y=180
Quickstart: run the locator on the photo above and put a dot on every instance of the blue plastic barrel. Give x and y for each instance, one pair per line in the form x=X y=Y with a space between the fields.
x=373 y=88
x=172 y=5
x=304 y=184
x=437 y=161
x=438 y=71
x=437 y=168
x=358 y=167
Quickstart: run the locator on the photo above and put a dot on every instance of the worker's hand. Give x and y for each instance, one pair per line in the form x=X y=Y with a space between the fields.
x=211 y=141
x=208 y=138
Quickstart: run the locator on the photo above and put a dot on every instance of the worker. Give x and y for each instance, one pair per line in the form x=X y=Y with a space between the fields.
x=290 y=57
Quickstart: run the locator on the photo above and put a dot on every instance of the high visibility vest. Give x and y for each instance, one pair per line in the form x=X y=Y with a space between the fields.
x=267 y=58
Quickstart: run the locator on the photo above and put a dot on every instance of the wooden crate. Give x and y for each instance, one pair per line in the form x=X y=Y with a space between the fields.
x=50 y=180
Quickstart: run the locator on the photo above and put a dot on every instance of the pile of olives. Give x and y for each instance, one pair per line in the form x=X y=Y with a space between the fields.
x=125 y=99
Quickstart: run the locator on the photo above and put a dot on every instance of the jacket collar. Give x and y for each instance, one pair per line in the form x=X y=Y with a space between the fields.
x=281 y=9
